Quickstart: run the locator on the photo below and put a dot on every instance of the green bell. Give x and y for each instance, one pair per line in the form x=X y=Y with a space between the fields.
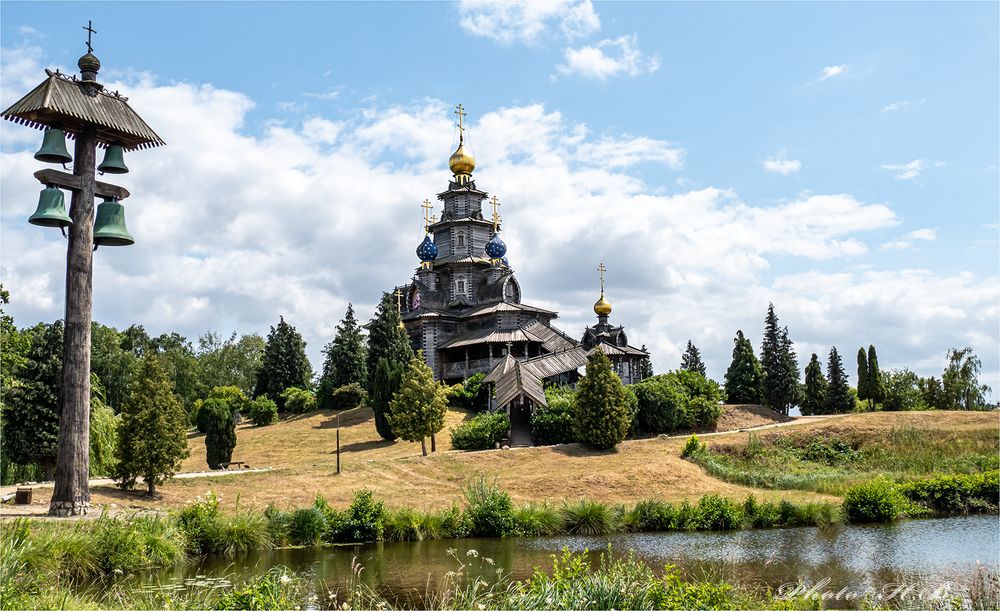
x=109 y=228
x=114 y=161
x=51 y=211
x=53 y=147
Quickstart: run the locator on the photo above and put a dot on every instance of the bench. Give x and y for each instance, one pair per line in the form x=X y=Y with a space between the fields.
x=239 y=464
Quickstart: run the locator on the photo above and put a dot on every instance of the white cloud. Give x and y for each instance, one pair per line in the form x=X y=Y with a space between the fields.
x=311 y=213
x=832 y=71
x=896 y=106
x=781 y=165
x=527 y=21
x=610 y=57
x=906 y=241
x=906 y=171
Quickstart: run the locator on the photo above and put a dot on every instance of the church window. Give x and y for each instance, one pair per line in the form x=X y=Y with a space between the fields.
x=461 y=240
x=461 y=287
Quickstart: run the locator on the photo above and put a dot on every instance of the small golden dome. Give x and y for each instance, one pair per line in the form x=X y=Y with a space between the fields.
x=461 y=162
x=602 y=307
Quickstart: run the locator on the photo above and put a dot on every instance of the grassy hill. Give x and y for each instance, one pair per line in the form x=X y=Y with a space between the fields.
x=300 y=452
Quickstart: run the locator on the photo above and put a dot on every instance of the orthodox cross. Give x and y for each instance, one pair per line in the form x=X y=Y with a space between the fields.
x=90 y=31
x=602 y=269
x=496 y=215
x=399 y=300
x=426 y=205
x=460 y=111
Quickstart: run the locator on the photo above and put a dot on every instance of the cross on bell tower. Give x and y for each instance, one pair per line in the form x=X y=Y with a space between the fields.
x=495 y=202
x=90 y=31
x=426 y=205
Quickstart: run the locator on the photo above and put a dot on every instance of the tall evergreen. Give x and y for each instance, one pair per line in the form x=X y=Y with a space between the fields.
x=152 y=440
x=388 y=341
x=284 y=364
x=646 y=365
x=781 y=371
x=220 y=432
x=32 y=406
x=814 y=401
x=876 y=381
x=691 y=360
x=345 y=360
x=864 y=383
x=417 y=411
x=838 y=392
x=602 y=409
x=744 y=378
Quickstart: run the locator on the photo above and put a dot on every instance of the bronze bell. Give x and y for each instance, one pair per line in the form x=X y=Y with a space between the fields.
x=109 y=228
x=51 y=211
x=53 y=147
x=114 y=161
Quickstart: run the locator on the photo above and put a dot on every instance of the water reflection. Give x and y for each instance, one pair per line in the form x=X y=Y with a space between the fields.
x=854 y=556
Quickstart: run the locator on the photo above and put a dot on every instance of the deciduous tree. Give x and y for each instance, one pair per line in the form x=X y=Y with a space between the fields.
x=417 y=411
x=233 y=362
x=152 y=440
x=603 y=416
x=960 y=381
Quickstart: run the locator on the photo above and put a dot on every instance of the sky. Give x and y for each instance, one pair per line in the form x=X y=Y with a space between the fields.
x=836 y=159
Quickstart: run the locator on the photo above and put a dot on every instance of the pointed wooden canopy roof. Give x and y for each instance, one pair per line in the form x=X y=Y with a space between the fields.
x=70 y=104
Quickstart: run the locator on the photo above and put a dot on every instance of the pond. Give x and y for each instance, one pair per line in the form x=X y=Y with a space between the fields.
x=929 y=552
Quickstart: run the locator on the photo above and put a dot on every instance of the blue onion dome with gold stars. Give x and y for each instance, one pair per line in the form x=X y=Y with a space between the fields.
x=428 y=250
x=495 y=248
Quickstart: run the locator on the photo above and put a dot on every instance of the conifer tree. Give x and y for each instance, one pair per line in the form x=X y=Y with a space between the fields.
x=646 y=365
x=152 y=440
x=417 y=411
x=864 y=383
x=387 y=341
x=284 y=365
x=838 y=391
x=31 y=407
x=876 y=381
x=781 y=388
x=220 y=432
x=814 y=401
x=602 y=412
x=345 y=360
x=744 y=378
x=691 y=360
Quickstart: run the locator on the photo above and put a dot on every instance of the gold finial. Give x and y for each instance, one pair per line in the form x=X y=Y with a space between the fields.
x=496 y=215
x=461 y=163
x=603 y=306
x=426 y=205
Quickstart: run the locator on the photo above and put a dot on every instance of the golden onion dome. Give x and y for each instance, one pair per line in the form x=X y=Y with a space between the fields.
x=602 y=307
x=461 y=162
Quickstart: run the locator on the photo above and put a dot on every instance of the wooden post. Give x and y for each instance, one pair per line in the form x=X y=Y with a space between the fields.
x=338 y=450
x=71 y=495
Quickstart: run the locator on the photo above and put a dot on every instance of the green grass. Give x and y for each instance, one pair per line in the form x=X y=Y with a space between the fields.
x=834 y=464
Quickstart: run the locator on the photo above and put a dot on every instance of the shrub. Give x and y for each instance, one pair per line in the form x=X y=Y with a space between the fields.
x=231 y=396
x=348 y=396
x=877 y=500
x=650 y=516
x=482 y=432
x=220 y=432
x=263 y=411
x=307 y=526
x=978 y=492
x=470 y=394
x=692 y=447
x=590 y=518
x=703 y=413
x=298 y=400
x=661 y=404
x=278 y=524
x=363 y=521
x=554 y=424
x=717 y=513
x=488 y=512
x=201 y=522
x=537 y=521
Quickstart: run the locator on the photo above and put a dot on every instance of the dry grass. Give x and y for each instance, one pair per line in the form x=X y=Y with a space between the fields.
x=300 y=449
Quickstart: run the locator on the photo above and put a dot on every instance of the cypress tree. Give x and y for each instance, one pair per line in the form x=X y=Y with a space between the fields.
x=417 y=411
x=152 y=440
x=814 y=401
x=389 y=342
x=220 y=432
x=602 y=410
x=284 y=365
x=876 y=381
x=31 y=407
x=781 y=376
x=864 y=383
x=691 y=360
x=838 y=393
x=745 y=376
x=345 y=360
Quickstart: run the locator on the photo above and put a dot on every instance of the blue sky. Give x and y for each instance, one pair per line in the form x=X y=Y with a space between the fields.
x=734 y=114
